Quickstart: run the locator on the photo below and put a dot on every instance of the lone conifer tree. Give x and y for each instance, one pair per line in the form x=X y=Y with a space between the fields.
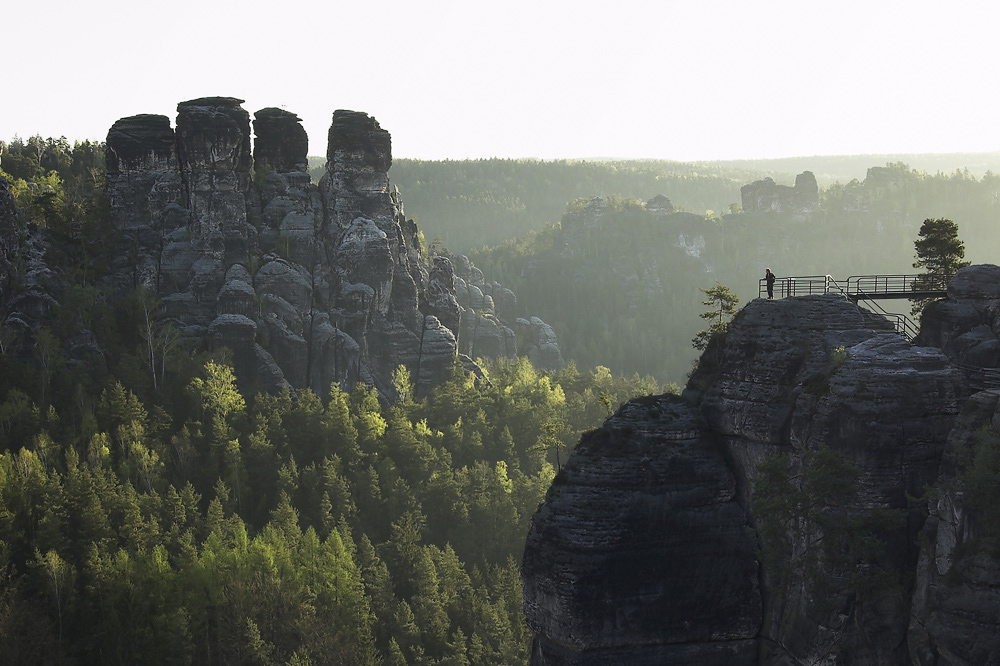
x=723 y=302
x=940 y=252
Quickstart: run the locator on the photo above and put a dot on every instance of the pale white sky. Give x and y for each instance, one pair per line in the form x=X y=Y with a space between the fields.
x=701 y=79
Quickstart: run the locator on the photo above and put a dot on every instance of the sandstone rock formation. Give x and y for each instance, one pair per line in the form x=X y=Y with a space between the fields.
x=25 y=279
x=642 y=554
x=306 y=285
x=966 y=325
x=956 y=591
x=766 y=196
x=659 y=205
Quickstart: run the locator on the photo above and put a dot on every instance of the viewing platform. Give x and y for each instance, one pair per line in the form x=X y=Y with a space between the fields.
x=872 y=288
x=861 y=287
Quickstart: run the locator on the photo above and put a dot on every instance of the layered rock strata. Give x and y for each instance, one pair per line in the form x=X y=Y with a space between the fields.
x=956 y=594
x=966 y=325
x=641 y=553
x=306 y=285
x=622 y=564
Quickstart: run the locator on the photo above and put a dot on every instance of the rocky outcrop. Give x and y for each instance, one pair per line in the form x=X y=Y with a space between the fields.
x=966 y=325
x=307 y=285
x=26 y=299
x=766 y=196
x=956 y=595
x=604 y=579
x=10 y=240
x=280 y=141
x=641 y=553
x=659 y=205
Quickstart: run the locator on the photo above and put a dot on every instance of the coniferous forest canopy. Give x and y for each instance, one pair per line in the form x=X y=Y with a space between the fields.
x=152 y=512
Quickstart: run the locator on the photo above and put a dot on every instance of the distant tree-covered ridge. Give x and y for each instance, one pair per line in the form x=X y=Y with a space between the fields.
x=619 y=280
x=472 y=203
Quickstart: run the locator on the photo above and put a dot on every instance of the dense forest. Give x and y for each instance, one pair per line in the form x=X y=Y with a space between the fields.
x=154 y=511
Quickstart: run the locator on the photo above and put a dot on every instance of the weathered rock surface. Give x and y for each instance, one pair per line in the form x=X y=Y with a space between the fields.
x=956 y=595
x=791 y=376
x=307 y=285
x=9 y=240
x=641 y=546
x=966 y=325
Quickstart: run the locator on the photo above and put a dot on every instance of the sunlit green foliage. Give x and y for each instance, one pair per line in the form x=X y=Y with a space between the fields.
x=939 y=252
x=190 y=524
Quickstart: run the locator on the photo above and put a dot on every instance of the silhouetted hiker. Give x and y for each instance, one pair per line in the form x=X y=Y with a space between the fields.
x=769 y=276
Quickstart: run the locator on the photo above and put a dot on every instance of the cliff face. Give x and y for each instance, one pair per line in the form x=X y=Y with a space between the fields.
x=644 y=549
x=641 y=553
x=307 y=285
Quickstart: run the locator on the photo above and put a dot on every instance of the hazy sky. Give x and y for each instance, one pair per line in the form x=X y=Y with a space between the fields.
x=700 y=79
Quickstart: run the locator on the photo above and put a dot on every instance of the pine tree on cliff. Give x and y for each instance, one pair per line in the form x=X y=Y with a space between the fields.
x=940 y=253
x=723 y=302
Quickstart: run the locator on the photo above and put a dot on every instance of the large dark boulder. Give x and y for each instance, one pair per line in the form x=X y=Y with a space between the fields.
x=966 y=324
x=641 y=552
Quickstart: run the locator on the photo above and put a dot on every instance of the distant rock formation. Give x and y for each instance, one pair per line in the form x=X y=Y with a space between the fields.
x=642 y=552
x=659 y=205
x=306 y=285
x=766 y=196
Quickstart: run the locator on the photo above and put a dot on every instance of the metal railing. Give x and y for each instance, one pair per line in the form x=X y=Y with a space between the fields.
x=858 y=288
x=869 y=288
x=802 y=285
x=897 y=286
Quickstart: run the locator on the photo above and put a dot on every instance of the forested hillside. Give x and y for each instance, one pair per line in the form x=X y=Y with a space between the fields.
x=152 y=511
x=620 y=283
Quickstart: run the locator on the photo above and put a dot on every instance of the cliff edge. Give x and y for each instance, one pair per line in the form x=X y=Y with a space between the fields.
x=648 y=549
